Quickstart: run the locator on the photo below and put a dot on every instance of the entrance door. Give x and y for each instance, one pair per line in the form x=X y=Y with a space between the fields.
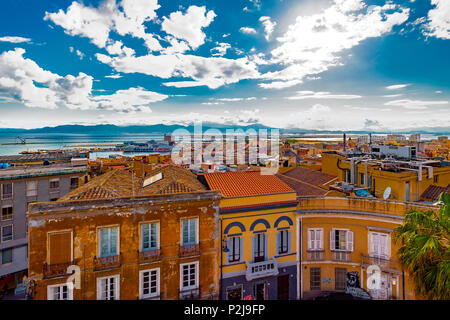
x=234 y=293
x=260 y=290
x=283 y=287
x=382 y=293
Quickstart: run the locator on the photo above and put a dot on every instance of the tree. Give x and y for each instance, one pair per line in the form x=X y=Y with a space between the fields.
x=425 y=251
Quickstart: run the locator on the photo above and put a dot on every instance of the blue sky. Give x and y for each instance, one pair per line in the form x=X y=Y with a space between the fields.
x=312 y=64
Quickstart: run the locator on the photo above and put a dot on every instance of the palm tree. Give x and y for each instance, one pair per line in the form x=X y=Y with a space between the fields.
x=425 y=251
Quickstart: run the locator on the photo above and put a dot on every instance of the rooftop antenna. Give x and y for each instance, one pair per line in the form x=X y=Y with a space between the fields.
x=387 y=193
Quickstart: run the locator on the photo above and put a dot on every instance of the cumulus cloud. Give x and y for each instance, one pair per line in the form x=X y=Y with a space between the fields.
x=22 y=80
x=212 y=72
x=189 y=26
x=397 y=86
x=247 y=30
x=321 y=95
x=126 y=18
x=315 y=43
x=268 y=25
x=438 y=20
x=414 y=104
x=221 y=49
x=14 y=39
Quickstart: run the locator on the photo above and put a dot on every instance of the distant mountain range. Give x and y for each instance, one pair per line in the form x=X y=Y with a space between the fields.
x=162 y=128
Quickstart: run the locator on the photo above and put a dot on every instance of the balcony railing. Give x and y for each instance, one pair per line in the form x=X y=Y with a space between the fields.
x=101 y=263
x=261 y=269
x=189 y=250
x=149 y=256
x=189 y=294
x=381 y=261
x=56 y=269
x=340 y=256
x=315 y=255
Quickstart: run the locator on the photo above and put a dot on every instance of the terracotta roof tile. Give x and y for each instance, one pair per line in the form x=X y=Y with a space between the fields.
x=433 y=192
x=313 y=177
x=245 y=183
x=302 y=189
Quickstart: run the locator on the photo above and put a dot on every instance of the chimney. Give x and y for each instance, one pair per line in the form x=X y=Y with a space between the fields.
x=345 y=143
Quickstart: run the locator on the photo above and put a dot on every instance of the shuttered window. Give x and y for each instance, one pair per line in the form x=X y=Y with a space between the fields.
x=341 y=240
x=60 y=247
x=189 y=231
x=108 y=241
x=380 y=244
x=315 y=239
x=149 y=236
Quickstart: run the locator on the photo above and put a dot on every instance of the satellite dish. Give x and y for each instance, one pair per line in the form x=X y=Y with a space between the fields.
x=387 y=193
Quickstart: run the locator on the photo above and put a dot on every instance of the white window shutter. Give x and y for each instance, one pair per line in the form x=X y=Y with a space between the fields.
x=241 y=249
x=332 y=240
x=319 y=239
x=289 y=235
x=350 y=240
x=230 y=249
x=388 y=246
x=310 y=242
x=371 y=243
x=278 y=242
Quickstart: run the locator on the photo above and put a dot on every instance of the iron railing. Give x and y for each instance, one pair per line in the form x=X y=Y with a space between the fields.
x=189 y=250
x=189 y=294
x=149 y=256
x=340 y=256
x=56 y=269
x=315 y=255
x=101 y=263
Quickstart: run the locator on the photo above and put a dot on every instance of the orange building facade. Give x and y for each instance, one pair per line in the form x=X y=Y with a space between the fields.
x=153 y=245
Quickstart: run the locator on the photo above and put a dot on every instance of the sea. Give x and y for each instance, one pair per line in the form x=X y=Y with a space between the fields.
x=10 y=143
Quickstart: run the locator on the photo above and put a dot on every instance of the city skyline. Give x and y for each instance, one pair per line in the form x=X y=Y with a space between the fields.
x=325 y=65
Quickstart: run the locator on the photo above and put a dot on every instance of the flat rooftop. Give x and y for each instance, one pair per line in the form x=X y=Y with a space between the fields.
x=21 y=172
x=41 y=157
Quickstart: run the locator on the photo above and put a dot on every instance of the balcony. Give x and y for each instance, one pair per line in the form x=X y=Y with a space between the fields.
x=343 y=256
x=315 y=255
x=107 y=262
x=189 y=250
x=261 y=269
x=189 y=294
x=381 y=261
x=55 y=270
x=149 y=256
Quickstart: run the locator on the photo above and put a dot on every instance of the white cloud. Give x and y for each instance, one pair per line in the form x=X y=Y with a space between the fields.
x=80 y=54
x=189 y=26
x=221 y=49
x=269 y=26
x=414 y=104
x=280 y=84
x=114 y=76
x=96 y=23
x=212 y=72
x=439 y=20
x=392 y=95
x=236 y=99
x=321 y=95
x=14 y=39
x=397 y=86
x=256 y=3
x=22 y=80
x=247 y=30
x=315 y=43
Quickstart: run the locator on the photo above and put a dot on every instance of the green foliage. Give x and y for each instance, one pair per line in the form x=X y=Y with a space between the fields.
x=425 y=251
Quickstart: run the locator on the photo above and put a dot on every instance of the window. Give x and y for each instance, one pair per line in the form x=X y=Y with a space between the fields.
x=7 y=191
x=361 y=179
x=436 y=179
x=315 y=239
x=59 y=292
x=380 y=244
x=149 y=234
x=109 y=241
x=7 y=233
x=54 y=185
x=283 y=243
x=346 y=175
x=234 y=247
x=314 y=278
x=189 y=275
x=108 y=288
x=7 y=256
x=340 y=275
x=7 y=213
x=60 y=247
x=189 y=232
x=149 y=283
x=259 y=247
x=341 y=240
x=73 y=183
x=234 y=293
x=31 y=188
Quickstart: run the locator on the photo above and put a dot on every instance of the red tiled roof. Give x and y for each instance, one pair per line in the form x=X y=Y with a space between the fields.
x=433 y=192
x=313 y=177
x=245 y=183
x=302 y=189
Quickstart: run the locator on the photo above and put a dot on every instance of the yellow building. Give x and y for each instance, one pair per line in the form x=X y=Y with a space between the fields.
x=257 y=215
x=407 y=179
x=348 y=235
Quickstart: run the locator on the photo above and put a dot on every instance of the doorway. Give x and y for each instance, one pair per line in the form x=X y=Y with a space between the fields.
x=283 y=287
x=259 y=289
